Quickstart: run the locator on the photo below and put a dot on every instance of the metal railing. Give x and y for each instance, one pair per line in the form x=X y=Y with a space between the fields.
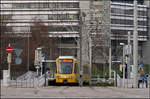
x=23 y=80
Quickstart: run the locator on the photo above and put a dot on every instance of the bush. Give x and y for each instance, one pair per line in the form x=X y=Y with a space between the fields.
x=104 y=84
x=97 y=70
x=146 y=68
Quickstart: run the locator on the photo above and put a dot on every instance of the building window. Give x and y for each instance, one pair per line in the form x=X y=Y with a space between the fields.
x=43 y=5
x=63 y=28
x=64 y=5
x=129 y=12
x=34 y=6
x=63 y=17
x=142 y=13
x=142 y=33
x=17 y=6
x=142 y=23
x=120 y=32
x=26 y=5
x=125 y=32
x=117 y=11
x=46 y=5
x=119 y=21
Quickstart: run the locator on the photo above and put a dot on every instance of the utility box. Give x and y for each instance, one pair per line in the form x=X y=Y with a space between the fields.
x=5 y=78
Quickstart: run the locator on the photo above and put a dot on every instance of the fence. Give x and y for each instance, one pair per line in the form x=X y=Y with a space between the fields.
x=23 y=80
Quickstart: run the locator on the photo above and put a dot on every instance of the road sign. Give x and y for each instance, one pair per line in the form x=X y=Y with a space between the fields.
x=43 y=55
x=140 y=66
x=18 y=60
x=18 y=52
x=128 y=49
x=9 y=49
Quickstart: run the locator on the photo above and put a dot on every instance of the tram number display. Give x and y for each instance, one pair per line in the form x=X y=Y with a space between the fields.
x=68 y=60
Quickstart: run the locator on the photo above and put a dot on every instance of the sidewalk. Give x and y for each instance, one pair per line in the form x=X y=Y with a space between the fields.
x=74 y=92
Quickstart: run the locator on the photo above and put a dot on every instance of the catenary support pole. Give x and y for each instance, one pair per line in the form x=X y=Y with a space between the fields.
x=110 y=62
x=135 y=46
x=90 y=53
x=129 y=54
x=123 y=66
x=81 y=67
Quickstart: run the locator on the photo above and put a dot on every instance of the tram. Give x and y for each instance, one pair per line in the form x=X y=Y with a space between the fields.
x=67 y=70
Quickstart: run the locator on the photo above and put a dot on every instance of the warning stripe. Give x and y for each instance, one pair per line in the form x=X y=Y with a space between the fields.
x=9 y=49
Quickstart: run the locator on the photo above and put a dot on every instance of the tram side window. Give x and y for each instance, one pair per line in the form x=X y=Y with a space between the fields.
x=75 y=68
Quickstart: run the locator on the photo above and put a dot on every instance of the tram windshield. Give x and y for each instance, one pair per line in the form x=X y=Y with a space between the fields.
x=65 y=66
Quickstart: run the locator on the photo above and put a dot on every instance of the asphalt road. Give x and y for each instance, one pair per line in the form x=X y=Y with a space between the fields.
x=74 y=92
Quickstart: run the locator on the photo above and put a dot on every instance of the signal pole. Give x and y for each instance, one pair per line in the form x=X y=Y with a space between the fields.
x=129 y=54
x=123 y=63
x=9 y=51
x=135 y=46
x=90 y=54
x=80 y=67
x=110 y=62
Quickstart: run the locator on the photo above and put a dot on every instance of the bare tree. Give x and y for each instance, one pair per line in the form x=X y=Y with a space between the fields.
x=39 y=38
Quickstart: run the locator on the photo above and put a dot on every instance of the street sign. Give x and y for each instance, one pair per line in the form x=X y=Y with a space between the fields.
x=42 y=57
x=18 y=60
x=9 y=49
x=140 y=66
x=128 y=49
x=18 y=52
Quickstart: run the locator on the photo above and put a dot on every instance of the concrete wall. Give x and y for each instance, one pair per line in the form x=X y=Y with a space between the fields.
x=84 y=4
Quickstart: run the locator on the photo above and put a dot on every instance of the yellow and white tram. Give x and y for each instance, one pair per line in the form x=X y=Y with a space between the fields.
x=67 y=70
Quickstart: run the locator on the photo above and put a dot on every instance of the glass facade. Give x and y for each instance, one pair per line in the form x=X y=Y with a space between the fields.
x=45 y=5
x=122 y=22
x=129 y=1
x=60 y=16
x=63 y=17
x=56 y=14
x=63 y=29
x=127 y=12
x=122 y=18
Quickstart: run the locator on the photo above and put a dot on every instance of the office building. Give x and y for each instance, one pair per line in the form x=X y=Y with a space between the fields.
x=61 y=17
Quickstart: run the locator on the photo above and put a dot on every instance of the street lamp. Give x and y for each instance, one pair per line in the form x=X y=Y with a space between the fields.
x=122 y=44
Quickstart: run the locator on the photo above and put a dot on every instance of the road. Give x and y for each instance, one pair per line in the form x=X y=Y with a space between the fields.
x=74 y=92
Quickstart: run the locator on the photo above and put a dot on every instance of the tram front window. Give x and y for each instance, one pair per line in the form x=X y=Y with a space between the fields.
x=65 y=67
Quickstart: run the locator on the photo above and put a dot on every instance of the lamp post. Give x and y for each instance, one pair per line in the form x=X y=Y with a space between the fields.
x=129 y=54
x=110 y=62
x=135 y=45
x=122 y=44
